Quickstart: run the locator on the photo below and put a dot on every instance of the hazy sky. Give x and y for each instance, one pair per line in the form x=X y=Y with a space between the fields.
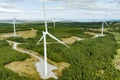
x=68 y=9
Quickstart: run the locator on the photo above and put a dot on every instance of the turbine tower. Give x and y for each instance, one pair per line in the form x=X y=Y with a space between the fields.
x=102 y=29
x=14 y=25
x=44 y=38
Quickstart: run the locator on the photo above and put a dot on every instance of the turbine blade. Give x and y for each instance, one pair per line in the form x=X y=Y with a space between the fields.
x=107 y=24
x=57 y=40
x=40 y=40
x=15 y=17
x=44 y=8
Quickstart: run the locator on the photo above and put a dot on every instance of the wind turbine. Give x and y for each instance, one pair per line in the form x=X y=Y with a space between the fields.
x=104 y=23
x=14 y=25
x=44 y=38
x=102 y=29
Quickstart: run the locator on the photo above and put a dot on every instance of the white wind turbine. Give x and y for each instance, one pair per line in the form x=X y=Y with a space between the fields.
x=14 y=25
x=44 y=38
x=54 y=22
x=102 y=29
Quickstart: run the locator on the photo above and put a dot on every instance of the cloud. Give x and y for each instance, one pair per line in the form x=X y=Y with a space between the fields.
x=9 y=10
x=32 y=12
x=56 y=8
x=94 y=6
x=11 y=1
x=90 y=5
x=6 y=5
x=9 y=6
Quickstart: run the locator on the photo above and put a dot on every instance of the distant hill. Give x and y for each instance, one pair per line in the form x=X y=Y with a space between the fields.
x=56 y=20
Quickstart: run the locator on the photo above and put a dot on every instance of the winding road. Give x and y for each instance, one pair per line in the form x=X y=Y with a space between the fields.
x=39 y=65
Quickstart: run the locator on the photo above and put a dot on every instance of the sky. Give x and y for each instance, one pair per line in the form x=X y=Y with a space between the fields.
x=81 y=10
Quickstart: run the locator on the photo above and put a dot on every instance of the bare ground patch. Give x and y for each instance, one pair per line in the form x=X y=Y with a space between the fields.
x=90 y=33
x=99 y=29
x=25 y=34
x=25 y=68
x=28 y=34
x=71 y=40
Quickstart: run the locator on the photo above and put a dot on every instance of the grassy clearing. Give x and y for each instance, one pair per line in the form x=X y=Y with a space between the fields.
x=71 y=40
x=23 y=34
x=25 y=68
x=28 y=34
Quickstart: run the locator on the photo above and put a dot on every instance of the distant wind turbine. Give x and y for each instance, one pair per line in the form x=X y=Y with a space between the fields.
x=102 y=29
x=104 y=23
x=44 y=38
x=14 y=25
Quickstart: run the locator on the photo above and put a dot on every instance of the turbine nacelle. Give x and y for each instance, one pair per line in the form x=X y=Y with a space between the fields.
x=44 y=33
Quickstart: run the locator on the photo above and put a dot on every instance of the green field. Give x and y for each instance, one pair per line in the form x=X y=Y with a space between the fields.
x=89 y=59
